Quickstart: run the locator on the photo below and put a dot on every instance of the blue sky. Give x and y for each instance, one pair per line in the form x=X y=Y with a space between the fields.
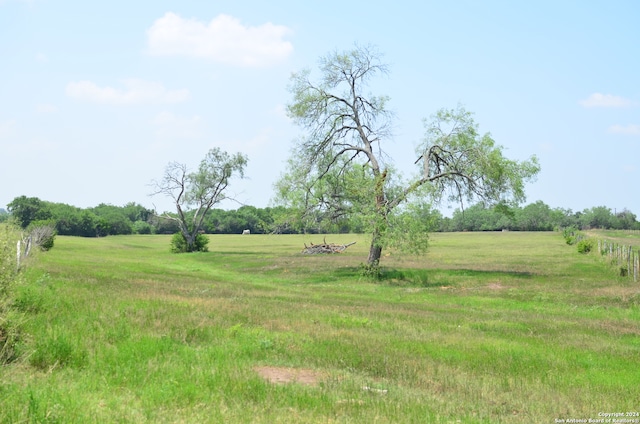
x=97 y=97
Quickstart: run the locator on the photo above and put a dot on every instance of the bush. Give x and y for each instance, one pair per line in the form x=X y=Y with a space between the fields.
x=570 y=235
x=371 y=271
x=179 y=244
x=42 y=233
x=585 y=245
x=142 y=227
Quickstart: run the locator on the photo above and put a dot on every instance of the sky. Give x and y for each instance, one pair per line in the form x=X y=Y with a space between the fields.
x=96 y=98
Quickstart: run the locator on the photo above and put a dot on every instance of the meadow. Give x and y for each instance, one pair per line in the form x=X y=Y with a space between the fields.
x=507 y=327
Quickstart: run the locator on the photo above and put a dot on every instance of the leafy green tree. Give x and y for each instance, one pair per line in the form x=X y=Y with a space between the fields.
x=535 y=217
x=284 y=220
x=198 y=190
x=68 y=219
x=27 y=209
x=624 y=220
x=480 y=217
x=88 y=226
x=597 y=217
x=142 y=227
x=136 y=212
x=340 y=167
x=112 y=220
x=164 y=225
x=563 y=218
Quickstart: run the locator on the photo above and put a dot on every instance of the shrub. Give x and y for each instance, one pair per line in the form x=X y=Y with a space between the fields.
x=585 y=245
x=142 y=227
x=42 y=233
x=371 y=271
x=570 y=235
x=179 y=244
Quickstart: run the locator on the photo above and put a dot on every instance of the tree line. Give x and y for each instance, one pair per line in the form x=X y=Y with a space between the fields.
x=535 y=217
x=133 y=218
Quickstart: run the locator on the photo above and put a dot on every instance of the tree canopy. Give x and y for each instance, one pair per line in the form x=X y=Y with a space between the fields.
x=338 y=166
x=199 y=191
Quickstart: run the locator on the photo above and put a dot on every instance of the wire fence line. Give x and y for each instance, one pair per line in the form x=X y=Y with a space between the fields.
x=624 y=257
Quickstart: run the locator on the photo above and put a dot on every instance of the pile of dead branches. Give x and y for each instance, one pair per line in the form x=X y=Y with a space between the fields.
x=317 y=249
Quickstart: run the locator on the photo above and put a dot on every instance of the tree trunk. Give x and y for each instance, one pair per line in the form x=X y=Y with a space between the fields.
x=374 y=255
x=191 y=241
x=375 y=251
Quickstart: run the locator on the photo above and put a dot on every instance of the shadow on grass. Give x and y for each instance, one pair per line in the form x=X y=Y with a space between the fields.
x=481 y=274
x=426 y=277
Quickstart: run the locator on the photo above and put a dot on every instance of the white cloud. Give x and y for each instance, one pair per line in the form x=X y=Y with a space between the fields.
x=136 y=91
x=224 y=39
x=628 y=130
x=169 y=125
x=605 y=100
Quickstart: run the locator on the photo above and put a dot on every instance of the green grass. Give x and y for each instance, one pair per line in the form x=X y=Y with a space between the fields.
x=485 y=328
x=625 y=237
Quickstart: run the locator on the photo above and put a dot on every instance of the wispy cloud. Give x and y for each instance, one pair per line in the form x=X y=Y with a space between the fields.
x=627 y=130
x=224 y=39
x=135 y=92
x=606 y=100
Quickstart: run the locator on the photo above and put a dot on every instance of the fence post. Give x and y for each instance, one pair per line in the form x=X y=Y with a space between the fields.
x=18 y=253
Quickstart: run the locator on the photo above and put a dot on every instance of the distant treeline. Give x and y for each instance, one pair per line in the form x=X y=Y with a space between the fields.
x=536 y=217
x=133 y=218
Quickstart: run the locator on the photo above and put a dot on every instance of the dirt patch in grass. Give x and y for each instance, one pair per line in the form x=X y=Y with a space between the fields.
x=282 y=375
x=496 y=286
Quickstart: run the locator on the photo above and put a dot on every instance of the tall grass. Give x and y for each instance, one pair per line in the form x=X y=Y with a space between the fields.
x=10 y=319
x=487 y=327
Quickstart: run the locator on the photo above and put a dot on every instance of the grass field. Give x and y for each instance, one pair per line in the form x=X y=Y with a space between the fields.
x=485 y=328
x=625 y=237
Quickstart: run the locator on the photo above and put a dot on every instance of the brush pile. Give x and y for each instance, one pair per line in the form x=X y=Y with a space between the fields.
x=317 y=249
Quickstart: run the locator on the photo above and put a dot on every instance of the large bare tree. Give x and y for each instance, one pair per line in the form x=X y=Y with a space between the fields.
x=194 y=193
x=339 y=165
